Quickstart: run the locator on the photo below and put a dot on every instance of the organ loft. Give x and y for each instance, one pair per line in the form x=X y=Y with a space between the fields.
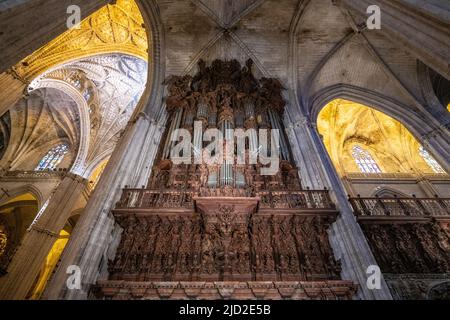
x=200 y=230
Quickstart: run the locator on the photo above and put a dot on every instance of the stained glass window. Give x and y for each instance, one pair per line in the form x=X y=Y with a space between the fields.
x=53 y=158
x=365 y=161
x=430 y=160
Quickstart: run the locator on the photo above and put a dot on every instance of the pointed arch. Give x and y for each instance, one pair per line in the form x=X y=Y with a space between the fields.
x=83 y=111
x=425 y=128
x=388 y=192
x=28 y=188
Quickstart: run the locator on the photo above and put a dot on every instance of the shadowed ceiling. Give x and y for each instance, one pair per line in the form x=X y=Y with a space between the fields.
x=308 y=45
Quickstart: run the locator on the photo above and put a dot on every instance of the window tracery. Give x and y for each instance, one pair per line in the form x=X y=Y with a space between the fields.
x=53 y=158
x=364 y=160
x=432 y=163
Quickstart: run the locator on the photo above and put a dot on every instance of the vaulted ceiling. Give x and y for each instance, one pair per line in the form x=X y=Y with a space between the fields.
x=307 y=44
x=115 y=28
x=83 y=88
x=344 y=124
x=85 y=103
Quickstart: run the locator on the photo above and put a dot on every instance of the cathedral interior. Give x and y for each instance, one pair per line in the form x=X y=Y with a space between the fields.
x=90 y=117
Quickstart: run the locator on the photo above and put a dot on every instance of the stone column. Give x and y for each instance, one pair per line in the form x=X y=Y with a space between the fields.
x=175 y=123
x=421 y=29
x=95 y=231
x=29 y=24
x=427 y=187
x=348 y=186
x=303 y=152
x=12 y=89
x=153 y=138
x=276 y=124
x=346 y=237
x=438 y=142
x=39 y=239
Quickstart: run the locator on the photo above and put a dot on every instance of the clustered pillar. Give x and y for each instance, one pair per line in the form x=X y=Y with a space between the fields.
x=39 y=239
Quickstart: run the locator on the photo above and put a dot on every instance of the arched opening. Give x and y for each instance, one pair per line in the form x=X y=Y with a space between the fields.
x=16 y=216
x=75 y=113
x=441 y=88
x=99 y=72
x=398 y=191
x=360 y=139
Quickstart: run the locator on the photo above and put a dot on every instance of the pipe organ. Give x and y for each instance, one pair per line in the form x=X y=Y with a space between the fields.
x=225 y=229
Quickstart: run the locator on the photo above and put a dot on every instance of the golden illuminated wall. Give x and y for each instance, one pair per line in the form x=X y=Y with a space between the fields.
x=49 y=265
x=116 y=28
x=344 y=124
x=16 y=216
x=19 y=213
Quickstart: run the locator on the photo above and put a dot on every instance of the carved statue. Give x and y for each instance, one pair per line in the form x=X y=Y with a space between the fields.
x=204 y=174
x=179 y=88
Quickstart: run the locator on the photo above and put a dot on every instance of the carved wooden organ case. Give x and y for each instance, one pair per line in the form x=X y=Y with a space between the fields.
x=206 y=226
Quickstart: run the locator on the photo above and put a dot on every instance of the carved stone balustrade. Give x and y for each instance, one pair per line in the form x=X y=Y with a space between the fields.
x=173 y=198
x=409 y=208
